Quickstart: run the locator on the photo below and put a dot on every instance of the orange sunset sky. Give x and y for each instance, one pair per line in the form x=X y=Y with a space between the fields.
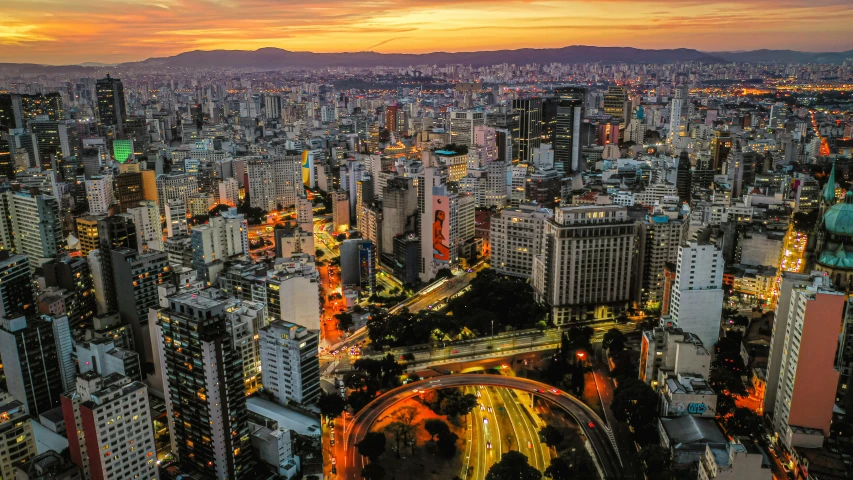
x=75 y=31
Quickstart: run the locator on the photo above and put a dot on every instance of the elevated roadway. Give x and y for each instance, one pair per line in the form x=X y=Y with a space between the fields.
x=599 y=436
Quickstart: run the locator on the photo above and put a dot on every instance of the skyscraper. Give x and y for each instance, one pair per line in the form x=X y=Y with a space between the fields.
x=529 y=126
x=38 y=230
x=136 y=277
x=112 y=109
x=682 y=178
x=805 y=396
x=697 y=295
x=193 y=332
x=584 y=270
x=16 y=288
x=614 y=102
x=516 y=236
x=462 y=126
x=290 y=368
x=566 y=137
x=109 y=428
x=28 y=347
x=677 y=112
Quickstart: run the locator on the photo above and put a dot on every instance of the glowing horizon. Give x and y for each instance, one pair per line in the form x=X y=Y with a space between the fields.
x=113 y=31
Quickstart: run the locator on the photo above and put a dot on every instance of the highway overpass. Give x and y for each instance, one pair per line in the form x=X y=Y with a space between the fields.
x=599 y=436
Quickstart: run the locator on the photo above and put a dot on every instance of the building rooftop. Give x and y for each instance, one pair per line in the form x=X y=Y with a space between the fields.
x=688 y=429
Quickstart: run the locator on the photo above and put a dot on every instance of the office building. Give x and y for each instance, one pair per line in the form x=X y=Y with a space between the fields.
x=146 y=219
x=584 y=270
x=678 y=111
x=128 y=191
x=517 y=235
x=805 y=393
x=529 y=126
x=462 y=125
x=72 y=276
x=112 y=109
x=116 y=231
x=193 y=331
x=175 y=186
x=358 y=265
x=658 y=241
x=290 y=240
x=222 y=238
x=229 y=192
x=136 y=277
x=16 y=288
x=109 y=428
x=99 y=193
x=340 y=211
x=778 y=342
x=31 y=362
x=683 y=178
x=87 y=233
x=697 y=294
x=614 y=102
x=17 y=441
x=305 y=214
x=566 y=136
x=176 y=218
x=38 y=230
x=293 y=291
x=399 y=211
x=275 y=182
x=289 y=362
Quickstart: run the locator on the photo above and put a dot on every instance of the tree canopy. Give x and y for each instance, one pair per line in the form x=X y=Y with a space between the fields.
x=372 y=445
x=513 y=466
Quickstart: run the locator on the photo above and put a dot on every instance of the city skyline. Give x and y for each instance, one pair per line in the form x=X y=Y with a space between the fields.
x=59 y=33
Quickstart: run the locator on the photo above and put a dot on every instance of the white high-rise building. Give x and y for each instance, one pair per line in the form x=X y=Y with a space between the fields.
x=229 y=192
x=38 y=230
x=275 y=181
x=462 y=125
x=677 y=107
x=697 y=294
x=305 y=214
x=146 y=218
x=516 y=236
x=293 y=291
x=109 y=427
x=176 y=186
x=290 y=368
x=99 y=193
x=176 y=218
x=805 y=392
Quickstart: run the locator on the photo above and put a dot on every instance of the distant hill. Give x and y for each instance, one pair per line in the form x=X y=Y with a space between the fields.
x=273 y=58
x=784 y=56
x=276 y=58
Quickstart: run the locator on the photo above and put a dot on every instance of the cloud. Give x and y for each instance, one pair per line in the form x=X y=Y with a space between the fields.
x=125 y=30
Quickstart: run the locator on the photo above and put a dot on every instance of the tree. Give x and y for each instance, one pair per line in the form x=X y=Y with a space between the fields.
x=373 y=471
x=613 y=341
x=340 y=237
x=578 y=338
x=513 y=466
x=400 y=432
x=743 y=421
x=344 y=320
x=405 y=416
x=724 y=380
x=551 y=435
x=319 y=253
x=436 y=427
x=559 y=469
x=656 y=461
x=331 y=404
x=634 y=401
x=447 y=444
x=372 y=445
x=452 y=402
x=725 y=404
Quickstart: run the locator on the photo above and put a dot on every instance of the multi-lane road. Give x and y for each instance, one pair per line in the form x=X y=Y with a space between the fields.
x=349 y=462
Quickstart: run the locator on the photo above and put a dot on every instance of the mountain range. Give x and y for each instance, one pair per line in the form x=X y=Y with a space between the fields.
x=276 y=58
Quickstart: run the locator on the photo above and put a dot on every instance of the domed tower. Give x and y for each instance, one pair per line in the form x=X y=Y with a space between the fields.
x=835 y=250
x=827 y=200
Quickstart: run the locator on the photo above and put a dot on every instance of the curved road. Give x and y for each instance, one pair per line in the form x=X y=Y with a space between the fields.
x=350 y=463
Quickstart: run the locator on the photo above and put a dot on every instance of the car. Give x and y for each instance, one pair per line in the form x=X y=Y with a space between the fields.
x=591 y=425
x=554 y=391
x=488 y=445
x=489 y=409
x=454 y=351
x=334 y=470
x=485 y=421
x=482 y=408
x=333 y=460
x=478 y=394
x=332 y=442
x=529 y=444
x=538 y=390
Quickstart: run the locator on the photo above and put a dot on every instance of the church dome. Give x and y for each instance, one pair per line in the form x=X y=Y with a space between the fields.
x=839 y=218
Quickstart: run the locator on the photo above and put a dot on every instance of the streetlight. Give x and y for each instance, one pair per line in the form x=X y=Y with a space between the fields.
x=493 y=327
